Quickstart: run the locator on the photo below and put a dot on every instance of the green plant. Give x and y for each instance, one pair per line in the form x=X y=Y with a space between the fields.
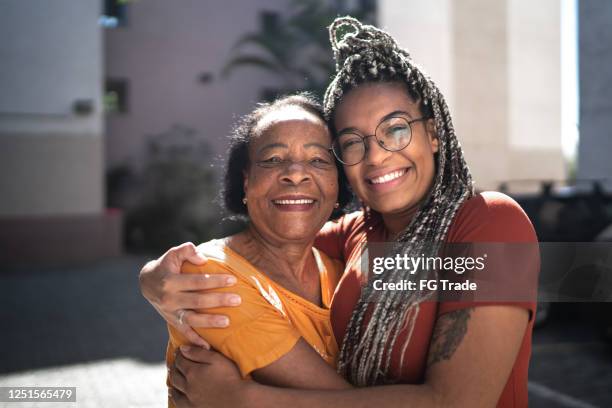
x=295 y=47
x=172 y=199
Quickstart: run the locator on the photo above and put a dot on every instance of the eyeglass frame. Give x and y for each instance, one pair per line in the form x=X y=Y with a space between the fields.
x=378 y=142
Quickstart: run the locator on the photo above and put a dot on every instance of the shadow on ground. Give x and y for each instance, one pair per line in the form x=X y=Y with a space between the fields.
x=55 y=317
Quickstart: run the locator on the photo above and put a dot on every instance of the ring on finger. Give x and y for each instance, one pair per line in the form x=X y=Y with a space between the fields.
x=181 y=315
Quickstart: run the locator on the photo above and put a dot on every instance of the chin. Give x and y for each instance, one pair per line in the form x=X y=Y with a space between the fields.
x=391 y=206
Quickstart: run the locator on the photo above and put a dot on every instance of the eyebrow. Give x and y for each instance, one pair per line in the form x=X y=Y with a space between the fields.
x=387 y=116
x=272 y=146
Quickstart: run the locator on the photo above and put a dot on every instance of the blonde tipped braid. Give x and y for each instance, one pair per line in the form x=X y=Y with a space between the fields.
x=368 y=54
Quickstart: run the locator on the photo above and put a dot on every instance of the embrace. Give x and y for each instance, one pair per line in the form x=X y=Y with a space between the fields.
x=279 y=314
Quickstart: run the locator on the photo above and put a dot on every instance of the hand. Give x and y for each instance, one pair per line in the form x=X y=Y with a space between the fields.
x=172 y=293
x=203 y=378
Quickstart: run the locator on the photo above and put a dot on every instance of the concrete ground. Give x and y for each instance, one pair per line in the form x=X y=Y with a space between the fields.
x=88 y=327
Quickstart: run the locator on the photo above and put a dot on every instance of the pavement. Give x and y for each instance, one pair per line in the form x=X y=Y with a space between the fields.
x=88 y=327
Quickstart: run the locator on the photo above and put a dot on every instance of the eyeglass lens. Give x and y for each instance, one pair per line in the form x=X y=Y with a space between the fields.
x=392 y=134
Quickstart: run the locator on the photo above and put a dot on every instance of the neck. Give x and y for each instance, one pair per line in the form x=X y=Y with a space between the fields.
x=274 y=258
x=397 y=222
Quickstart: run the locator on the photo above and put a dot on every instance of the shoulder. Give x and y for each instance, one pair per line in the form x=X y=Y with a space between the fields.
x=220 y=260
x=345 y=224
x=335 y=236
x=491 y=216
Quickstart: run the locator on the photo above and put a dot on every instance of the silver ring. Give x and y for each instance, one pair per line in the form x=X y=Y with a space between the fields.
x=181 y=314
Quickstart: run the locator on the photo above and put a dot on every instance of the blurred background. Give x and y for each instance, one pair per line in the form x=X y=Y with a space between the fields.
x=114 y=116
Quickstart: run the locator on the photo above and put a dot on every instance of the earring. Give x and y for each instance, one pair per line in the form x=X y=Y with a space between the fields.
x=337 y=205
x=244 y=200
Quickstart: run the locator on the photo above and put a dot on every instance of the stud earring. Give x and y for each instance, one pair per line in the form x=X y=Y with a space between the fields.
x=244 y=200
x=337 y=205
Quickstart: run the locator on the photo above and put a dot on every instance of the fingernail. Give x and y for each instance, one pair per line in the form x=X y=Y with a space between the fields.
x=222 y=321
x=234 y=300
x=230 y=280
x=185 y=349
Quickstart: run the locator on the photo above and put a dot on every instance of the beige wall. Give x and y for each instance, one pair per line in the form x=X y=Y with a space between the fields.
x=499 y=66
x=52 y=174
x=162 y=51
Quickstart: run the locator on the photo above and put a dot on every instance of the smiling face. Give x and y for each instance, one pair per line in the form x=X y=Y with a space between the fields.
x=388 y=182
x=292 y=182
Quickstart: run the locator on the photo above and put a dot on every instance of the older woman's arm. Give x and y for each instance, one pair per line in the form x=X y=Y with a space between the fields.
x=470 y=359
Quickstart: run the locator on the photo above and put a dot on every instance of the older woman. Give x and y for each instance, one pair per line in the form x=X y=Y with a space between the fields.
x=281 y=173
x=395 y=137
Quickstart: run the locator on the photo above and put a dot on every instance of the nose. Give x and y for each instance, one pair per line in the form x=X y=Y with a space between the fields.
x=295 y=173
x=375 y=154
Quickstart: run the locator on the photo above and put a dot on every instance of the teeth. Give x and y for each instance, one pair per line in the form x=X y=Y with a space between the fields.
x=293 y=202
x=388 y=177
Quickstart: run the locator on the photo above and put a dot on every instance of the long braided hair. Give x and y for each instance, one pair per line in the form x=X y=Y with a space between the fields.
x=367 y=54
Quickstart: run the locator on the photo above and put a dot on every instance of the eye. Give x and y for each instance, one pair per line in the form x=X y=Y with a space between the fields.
x=351 y=141
x=273 y=161
x=398 y=128
x=321 y=162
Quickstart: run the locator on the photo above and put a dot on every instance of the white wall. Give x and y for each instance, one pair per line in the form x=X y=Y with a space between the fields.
x=425 y=29
x=51 y=56
x=51 y=159
x=498 y=65
x=534 y=58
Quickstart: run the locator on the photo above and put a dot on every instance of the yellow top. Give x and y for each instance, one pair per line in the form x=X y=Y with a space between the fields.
x=270 y=319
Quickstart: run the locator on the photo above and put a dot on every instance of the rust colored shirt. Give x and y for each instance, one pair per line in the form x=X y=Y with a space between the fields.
x=486 y=217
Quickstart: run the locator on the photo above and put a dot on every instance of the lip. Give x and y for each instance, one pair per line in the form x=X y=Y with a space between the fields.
x=389 y=185
x=294 y=207
x=294 y=197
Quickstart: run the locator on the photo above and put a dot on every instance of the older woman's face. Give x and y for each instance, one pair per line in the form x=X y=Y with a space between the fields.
x=292 y=181
x=388 y=182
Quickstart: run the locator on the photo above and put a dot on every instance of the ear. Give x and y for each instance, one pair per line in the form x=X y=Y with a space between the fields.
x=432 y=135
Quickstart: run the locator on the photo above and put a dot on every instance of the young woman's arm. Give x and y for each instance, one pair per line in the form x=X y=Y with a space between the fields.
x=469 y=362
x=171 y=292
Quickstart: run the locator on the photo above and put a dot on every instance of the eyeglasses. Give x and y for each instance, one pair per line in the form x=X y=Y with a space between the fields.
x=392 y=134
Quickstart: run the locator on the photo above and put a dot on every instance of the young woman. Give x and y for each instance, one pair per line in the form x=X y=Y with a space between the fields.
x=394 y=135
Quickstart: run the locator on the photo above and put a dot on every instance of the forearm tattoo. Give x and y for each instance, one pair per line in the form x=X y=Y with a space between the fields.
x=448 y=334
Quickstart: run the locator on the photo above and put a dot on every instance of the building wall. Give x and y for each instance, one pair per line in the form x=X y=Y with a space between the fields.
x=498 y=64
x=161 y=52
x=51 y=159
x=595 y=54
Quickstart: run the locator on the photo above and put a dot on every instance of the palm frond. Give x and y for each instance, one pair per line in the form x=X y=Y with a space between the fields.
x=252 y=60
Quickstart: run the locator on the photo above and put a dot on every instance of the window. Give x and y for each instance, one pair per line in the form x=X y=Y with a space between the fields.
x=115 y=14
x=269 y=21
x=116 y=96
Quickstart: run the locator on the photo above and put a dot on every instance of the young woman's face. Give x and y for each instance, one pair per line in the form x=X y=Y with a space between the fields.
x=388 y=182
x=292 y=181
